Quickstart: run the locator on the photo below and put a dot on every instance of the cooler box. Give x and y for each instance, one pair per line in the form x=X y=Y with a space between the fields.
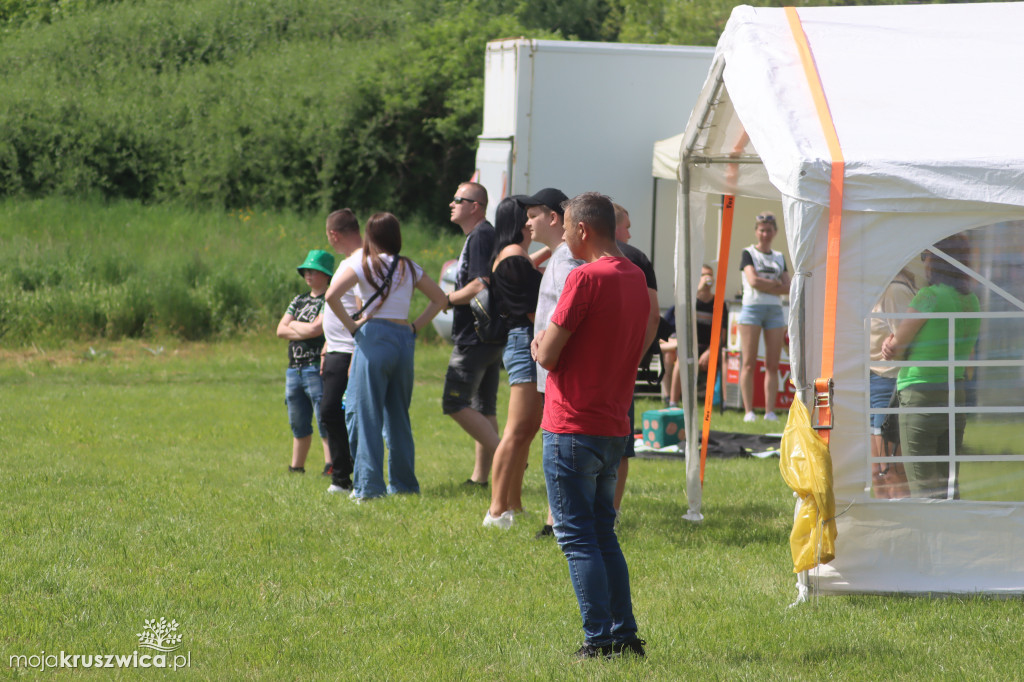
x=661 y=428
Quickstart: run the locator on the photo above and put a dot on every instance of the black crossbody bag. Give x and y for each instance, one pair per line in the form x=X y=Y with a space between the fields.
x=386 y=282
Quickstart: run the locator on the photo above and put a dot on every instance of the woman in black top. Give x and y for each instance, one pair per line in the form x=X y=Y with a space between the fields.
x=515 y=281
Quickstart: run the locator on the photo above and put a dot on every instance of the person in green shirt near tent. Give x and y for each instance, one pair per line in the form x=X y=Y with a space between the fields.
x=924 y=340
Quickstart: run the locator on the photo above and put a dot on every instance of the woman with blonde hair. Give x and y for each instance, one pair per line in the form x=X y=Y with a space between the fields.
x=381 y=379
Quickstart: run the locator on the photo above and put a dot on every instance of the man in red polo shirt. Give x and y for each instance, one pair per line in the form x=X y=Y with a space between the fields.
x=592 y=348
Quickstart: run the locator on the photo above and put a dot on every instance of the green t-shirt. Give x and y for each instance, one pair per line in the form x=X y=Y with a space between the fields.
x=931 y=342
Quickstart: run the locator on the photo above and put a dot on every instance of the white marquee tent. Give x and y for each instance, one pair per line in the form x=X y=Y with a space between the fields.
x=928 y=113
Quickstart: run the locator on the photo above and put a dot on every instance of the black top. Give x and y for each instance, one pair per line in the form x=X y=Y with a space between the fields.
x=639 y=259
x=475 y=261
x=516 y=283
x=305 y=352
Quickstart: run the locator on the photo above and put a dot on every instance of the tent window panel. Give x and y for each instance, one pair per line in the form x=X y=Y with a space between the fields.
x=996 y=387
x=960 y=407
x=991 y=481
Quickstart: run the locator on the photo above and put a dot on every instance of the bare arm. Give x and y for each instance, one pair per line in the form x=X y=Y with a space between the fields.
x=704 y=293
x=284 y=330
x=550 y=344
x=540 y=255
x=438 y=302
x=340 y=283
x=308 y=330
x=896 y=345
x=769 y=286
x=464 y=295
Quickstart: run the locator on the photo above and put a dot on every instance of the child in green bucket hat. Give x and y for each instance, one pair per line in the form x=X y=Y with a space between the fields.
x=302 y=325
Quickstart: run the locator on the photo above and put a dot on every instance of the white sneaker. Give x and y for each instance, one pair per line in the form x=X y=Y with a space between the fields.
x=750 y=417
x=336 y=489
x=770 y=417
x=503 y=522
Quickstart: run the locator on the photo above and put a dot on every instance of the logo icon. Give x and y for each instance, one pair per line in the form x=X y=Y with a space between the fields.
x=159 y=635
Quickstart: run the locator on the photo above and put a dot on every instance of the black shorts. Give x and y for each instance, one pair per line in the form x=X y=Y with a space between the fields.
x=472 y=379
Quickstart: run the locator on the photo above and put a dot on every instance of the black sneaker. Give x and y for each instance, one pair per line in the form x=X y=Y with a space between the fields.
x=328 y=469
x=633 y=647
x=470 y=483
x=589 y=650
x=546 y=531
x=296 y=470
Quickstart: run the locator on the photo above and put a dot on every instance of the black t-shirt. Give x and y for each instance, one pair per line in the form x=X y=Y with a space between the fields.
x=475 y=261
x=639 y=259
x=305 y=308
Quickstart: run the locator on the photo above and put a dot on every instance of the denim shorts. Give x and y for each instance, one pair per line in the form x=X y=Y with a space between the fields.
x=763 y=315
x=882 y=389
x=519 y=363
x=302 y=393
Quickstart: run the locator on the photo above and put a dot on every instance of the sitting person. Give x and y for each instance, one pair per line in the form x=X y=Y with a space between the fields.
x=672 y=391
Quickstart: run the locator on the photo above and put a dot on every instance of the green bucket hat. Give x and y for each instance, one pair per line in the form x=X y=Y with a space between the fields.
x=318 y=260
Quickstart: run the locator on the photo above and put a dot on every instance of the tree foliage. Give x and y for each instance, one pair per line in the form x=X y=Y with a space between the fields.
x=304 y=104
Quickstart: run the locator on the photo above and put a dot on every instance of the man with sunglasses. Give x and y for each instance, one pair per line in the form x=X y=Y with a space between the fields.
x=471 y=383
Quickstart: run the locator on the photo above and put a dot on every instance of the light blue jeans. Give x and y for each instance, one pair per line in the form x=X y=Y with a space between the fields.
x=580 y=472
x=377 y=403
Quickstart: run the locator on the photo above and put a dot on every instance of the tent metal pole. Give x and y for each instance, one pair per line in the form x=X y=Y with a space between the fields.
x=654 y=215
x=685 y=299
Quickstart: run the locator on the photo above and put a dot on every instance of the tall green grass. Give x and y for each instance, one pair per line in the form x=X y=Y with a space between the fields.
x=81 y=270
x=141 y=485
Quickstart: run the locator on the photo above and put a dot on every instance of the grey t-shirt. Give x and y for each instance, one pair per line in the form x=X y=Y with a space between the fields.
x=558 y=268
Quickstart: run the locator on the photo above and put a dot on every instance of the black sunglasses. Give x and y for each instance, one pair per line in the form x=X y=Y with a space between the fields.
x=459 y=200
x=766 y=218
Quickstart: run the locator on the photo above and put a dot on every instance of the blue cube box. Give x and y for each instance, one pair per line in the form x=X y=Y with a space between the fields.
x=662 y=428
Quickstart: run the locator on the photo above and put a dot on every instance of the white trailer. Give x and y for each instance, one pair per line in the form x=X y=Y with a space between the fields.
x=585 y=116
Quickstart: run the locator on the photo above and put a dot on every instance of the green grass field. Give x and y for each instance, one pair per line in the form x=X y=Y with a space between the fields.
x=146 y=480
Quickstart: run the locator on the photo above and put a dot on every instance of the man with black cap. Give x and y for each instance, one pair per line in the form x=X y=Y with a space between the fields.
x=546 y=219
x=471 y=383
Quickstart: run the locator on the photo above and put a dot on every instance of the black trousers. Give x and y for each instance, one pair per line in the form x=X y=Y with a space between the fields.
x=332 y=412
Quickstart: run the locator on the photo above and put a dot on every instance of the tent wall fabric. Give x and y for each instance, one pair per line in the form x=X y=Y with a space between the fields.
x=925 y=105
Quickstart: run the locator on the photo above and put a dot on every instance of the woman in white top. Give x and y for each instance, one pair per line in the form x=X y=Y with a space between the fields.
x=764 y=279
x=381 y=379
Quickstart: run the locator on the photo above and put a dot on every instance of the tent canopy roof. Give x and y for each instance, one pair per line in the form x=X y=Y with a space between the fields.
x=900 y=81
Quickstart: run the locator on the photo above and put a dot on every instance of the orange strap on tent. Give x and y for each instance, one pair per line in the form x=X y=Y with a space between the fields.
x=728 y=205
x=823 y=385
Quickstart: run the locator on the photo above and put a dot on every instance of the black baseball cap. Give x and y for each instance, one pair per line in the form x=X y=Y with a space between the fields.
x=549 y=197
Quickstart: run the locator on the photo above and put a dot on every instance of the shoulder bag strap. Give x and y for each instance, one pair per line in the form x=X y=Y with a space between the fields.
x=387 y=280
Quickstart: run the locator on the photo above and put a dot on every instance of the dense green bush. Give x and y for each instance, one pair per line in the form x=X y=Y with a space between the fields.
x=306 y=104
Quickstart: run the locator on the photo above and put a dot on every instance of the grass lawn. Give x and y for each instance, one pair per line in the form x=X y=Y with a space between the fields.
x=146 y=481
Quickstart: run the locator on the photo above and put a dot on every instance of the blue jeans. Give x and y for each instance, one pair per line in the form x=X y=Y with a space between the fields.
x=302 y=392
x=379 y=394
x=580 y=472
x=881 y=390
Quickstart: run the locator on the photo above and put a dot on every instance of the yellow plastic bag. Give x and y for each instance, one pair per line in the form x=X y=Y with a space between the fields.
x=806 y=466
